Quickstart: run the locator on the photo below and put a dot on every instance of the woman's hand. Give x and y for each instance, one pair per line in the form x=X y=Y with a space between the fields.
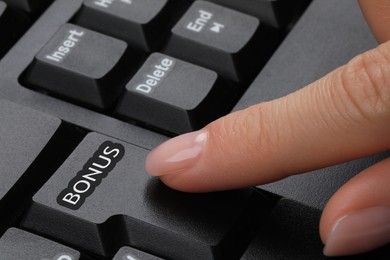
x=341 y=117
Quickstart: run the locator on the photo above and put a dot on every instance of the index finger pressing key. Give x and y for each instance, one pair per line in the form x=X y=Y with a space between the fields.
x=341 y=117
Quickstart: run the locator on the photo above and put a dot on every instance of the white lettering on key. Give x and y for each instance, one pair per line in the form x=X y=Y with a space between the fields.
x=85 y=182
x=66 y=46
x=64 y=256
x=71 y=198
x=152 y=80
x=200 y=23
x=103 y=3
x=107 y=3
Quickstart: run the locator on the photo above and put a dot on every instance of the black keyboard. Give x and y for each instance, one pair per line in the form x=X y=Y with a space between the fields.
x=88 y=88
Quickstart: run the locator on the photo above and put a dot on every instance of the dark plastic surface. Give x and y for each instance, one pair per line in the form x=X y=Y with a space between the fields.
x=33 y=146
x=21 y=56
x=21 y=145
x=175 y=96
x=330 y=33
x=21 y=245
x=142 y=24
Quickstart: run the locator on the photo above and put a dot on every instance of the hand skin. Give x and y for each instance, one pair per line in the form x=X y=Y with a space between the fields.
x=347 y=112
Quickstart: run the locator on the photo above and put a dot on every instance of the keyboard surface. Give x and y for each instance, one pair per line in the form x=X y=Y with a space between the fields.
x=88 y=88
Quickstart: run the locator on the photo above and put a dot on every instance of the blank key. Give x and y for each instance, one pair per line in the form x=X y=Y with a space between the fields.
x=33 y=145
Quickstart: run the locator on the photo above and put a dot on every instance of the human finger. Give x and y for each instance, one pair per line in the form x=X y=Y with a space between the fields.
x=357 y=218
x=377 y=13
x=343 y=116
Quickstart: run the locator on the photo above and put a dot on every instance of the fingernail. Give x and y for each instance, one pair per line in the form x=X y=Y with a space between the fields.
x=359 y=232
x=177 y=154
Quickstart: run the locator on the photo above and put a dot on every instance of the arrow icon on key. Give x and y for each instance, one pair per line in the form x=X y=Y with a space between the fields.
x=217 y=27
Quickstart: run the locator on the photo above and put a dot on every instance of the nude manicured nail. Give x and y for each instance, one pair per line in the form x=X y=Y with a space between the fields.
x=177 y=154
x=359 y=232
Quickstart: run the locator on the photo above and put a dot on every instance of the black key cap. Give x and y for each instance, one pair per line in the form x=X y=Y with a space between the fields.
x=21 y=245
x=141 y=23
x=12 y=25
x=221 y=39
x=27 y=158
x=80 y=64
x=277 y=13
x=290 y=232
x=102 y=195
x=175 y=96
x=128 y=253
x=24 y=134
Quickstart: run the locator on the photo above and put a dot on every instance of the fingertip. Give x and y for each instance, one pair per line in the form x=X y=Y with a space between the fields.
x=218 y=157
x=359 y=232
x=376 y=13
x=357 y=218
x=176 y=155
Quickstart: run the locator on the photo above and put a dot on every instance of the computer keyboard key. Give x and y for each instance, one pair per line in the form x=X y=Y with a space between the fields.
x=143 y=24
x=81 y=65
x=22 y=245
x=30 y=152
x=101 y=199
x=12 y=25
x=290 y=232
x=128 y=253
x=175 y=96
x=221 y=39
